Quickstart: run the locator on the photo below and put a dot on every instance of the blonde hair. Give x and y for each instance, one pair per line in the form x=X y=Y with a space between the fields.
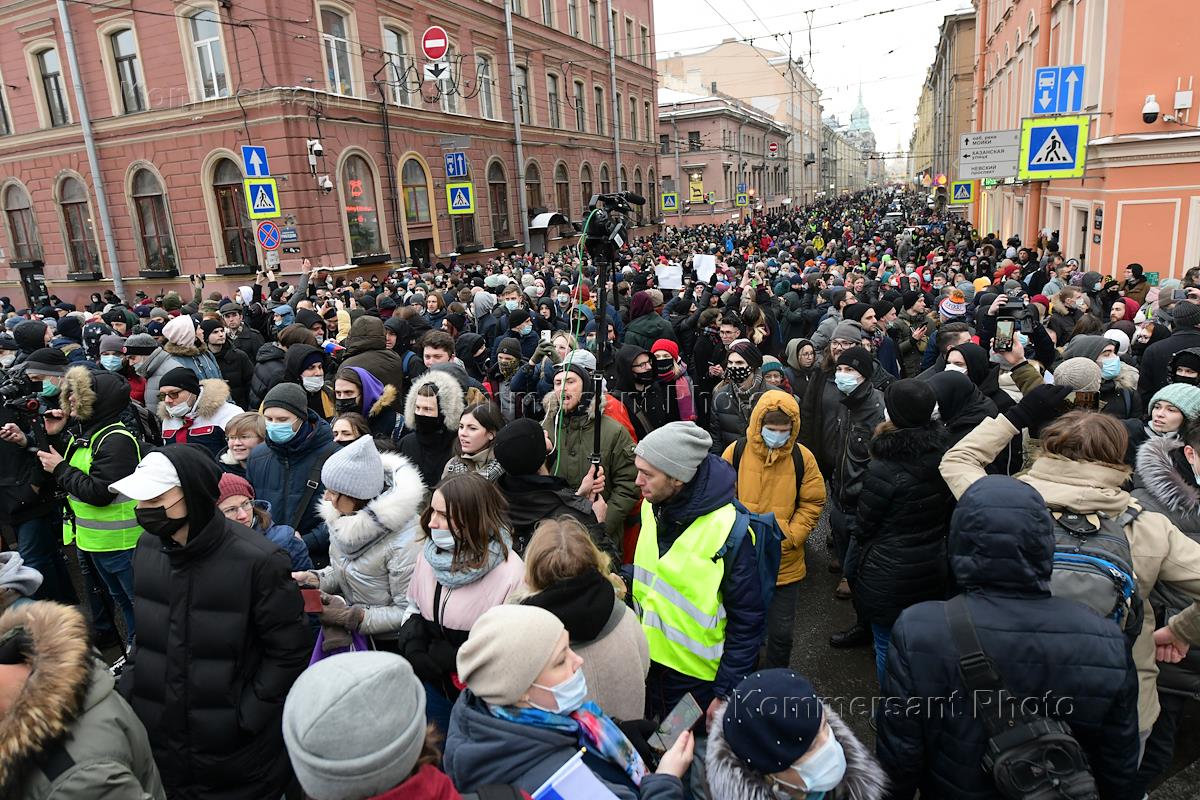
x=247 y=422
x=561 y=548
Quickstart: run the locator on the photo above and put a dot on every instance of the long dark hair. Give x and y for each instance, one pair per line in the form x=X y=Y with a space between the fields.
x=487 y=415
x=476 y=513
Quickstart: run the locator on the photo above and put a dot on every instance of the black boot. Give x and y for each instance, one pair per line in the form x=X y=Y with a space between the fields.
x=857 y=635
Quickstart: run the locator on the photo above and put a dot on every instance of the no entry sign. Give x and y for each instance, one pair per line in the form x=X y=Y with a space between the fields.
x=435 y=42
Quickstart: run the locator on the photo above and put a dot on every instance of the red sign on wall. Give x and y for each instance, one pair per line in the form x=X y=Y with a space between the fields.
x=435 y=42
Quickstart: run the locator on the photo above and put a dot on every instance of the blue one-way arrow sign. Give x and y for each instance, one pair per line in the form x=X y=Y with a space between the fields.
x=254 y=158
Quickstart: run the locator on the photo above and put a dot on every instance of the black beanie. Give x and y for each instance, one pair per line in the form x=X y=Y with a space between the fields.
x=858 y=359
x=910 y=299
x=909 y=403
x=70 y=328
x=181 y=378
x=854 y=312
x=208 y=326
x=882 y=308
x=520 y=447
x=747 y=350
x=1136 y=269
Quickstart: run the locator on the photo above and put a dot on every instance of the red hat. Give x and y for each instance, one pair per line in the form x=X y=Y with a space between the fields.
x=231 y=485
x=665 y=344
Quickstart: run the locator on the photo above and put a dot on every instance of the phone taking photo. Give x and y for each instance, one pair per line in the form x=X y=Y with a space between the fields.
x=1005 y=333
x=683 y=716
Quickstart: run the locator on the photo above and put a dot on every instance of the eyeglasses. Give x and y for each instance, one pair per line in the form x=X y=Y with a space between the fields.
x=171 y=395
x=232 y=511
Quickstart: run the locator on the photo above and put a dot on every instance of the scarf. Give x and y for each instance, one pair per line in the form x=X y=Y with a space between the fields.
x=594 y=729
x=442 y=560
x=683 y=397
x=1155 y=434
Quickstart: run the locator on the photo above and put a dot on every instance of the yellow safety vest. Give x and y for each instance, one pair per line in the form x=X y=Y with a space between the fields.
x=683 y=615
x=100 y=529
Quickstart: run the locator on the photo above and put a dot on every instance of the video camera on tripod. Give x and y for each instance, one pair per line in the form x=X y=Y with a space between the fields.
x=1017 y=309
x=23 y=396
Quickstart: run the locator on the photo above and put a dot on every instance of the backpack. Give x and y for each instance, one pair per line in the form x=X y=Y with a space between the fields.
x=409 y=355
x=1094 y=566
x=143 y=424
x=739 y=447
x=1028 y=756
x=767 y=538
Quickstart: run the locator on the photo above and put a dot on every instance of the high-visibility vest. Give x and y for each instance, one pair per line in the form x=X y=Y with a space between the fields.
x=100 y=529
x=683 y=615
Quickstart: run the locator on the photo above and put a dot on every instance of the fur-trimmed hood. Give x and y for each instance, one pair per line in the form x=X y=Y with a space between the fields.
x=908 y=444
x=386 y=401
x=100 y=397
x=729 y=779
x=395 y=510
x=53 y=697
x=451 y=398
x=191 y=350
x=1127 y=378
x=214 y=393
x=1160 y=478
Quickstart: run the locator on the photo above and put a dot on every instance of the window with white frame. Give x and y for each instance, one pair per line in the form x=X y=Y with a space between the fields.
x=129 y=72
x=633 y=117
x=649 y=122
x=645 y=59
x=573 y=17
x=594 y=21
x=335 y=39
x=205 y=30
x=548 y=12
x=486 y=83
x=50 y=74
x=617 y=115
x=5 y=125
x=522 y=99
x=447 y=86
x=399 y=58
x=630 y=49
x=580 y=106
x=553 y=99
x=598 y=95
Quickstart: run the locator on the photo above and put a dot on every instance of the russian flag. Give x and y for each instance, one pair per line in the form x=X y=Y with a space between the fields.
x=573 y=781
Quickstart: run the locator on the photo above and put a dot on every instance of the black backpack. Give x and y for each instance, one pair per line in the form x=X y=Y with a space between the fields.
x=1030 y=757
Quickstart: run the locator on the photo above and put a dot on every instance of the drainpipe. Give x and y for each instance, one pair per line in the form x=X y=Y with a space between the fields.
x=89 y=144
x=612 y=75
x=512 y=81
x=1033 y=209
x=981 y=28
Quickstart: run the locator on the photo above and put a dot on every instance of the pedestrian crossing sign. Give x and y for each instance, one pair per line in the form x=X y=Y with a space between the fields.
x=1053 y=147
x=460 y=198
x=962 y=192
x=740 y=199
x=262 y=198
x=670 y=201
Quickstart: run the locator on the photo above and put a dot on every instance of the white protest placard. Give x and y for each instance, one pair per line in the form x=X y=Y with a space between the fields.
x=705 y=265
x=670 y=276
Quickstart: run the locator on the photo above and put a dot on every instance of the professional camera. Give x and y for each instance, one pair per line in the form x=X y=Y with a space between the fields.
x=605 y=222
x=1017 y=308
x=23 y=396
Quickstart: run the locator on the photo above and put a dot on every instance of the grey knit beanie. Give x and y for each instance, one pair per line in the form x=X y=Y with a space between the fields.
x=1081 y=374
x=508 y=647
x=677 y=448
x=112 y=344
x=354 y=724
x=848 y=331
x=140 y=344
x=355 y=471
x=288 y=396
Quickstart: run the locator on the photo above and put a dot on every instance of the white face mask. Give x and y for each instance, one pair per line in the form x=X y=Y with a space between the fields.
x=822 y=770
x=956 y=368
x=179 y=410
x=6 y=361
x=312 y=383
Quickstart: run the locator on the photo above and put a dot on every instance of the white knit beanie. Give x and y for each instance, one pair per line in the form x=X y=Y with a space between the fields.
x=180 y=331
x=507 y=649
x=355 y=471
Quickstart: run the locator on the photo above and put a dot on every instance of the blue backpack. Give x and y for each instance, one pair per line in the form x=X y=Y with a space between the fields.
x=767 y=539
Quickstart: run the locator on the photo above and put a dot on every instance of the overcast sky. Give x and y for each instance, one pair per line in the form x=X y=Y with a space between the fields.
x=851 y=42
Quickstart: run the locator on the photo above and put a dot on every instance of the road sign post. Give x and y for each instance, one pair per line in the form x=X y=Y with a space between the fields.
x=268 y=235
x=670 y=201
x=435 y=42
x=262 y=198
x=460 y=198
x=1058 y=90
x=989 y=154
x=254 y=159
x=1053 y=147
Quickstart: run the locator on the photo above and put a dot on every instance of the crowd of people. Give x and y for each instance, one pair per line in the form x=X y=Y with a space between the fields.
x=435 y=533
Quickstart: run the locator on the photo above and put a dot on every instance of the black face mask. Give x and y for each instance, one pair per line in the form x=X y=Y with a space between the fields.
x=344 y=405
x=664 y=367
x=155 y=520
x=643 y=376
x=428 y=424
x=1182 y=379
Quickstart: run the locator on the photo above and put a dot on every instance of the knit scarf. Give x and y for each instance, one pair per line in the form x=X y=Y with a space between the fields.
x=683 y=396
x=594 y=729
x=441 y=562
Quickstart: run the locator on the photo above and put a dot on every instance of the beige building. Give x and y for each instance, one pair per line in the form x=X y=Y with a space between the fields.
x=920 y=146
x=771 y=82
x=944 y=109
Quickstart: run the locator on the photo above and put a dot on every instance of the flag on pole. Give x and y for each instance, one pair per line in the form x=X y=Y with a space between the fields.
x=573 y=781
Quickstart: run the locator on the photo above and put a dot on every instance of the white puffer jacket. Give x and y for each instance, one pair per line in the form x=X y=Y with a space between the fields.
x=372 y=552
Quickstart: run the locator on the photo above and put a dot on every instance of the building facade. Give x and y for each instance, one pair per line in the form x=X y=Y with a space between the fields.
x=844 y=165
x=356 y=131
x=1139 y=199
x=944 y=111
x=920 y=146
x=771 y=82
x=713 y=149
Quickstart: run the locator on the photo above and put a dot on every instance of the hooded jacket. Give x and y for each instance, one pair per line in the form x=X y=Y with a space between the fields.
x=237 y=369
x=1160 y=550
x=1118 y=396
x=279 y=473
x=571 y=438
x=321 y=401
x=961 y=405
x=430 y=451
x=643 y=331
x=372 y=551
x=766 y=483
x=533 y=498
x=366 y=347
x=69 y=705
x=379 y=404
x=903 y=517
x=157 y=364
x=196 y=358
x=268 y=371
x=205 y=425
x=100 y=400
x=221 y=638
x=730 y=779
x=1001 y=548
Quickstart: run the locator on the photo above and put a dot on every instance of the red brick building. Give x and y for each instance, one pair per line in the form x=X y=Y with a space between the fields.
x=175 y=90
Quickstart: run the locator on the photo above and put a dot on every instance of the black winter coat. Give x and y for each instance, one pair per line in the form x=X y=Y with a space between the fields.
x=238 y=372
x=221 y=638
x=1001 y=547
x=249 y=341
x=1157 y=358
x=903 y=518
x=730 y=414
x=268 y=371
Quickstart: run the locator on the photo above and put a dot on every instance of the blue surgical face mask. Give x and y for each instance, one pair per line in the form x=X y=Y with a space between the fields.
x=568 y=695
x=511 y=305
x=49 y=389
x=111 y=363
x=1110 y=367
x=443 y=539
x=527 y=329
x=1023 y=339
x=280 y=432
x=775 y=439
x=846 y=383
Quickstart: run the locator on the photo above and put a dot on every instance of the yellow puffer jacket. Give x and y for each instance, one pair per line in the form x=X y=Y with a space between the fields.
x=767 y=483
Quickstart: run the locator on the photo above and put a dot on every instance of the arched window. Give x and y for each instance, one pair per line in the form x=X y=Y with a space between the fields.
x=82 y=252
x=335 y=39
x=21 y=231
x=154 y=227
x=652 y=194
x=637 y=189
x=498 y=199
x=533 y=187
x=585 y=183
x=362 y=217
x=562 y=190
x=416 y=191
x=50 y=72
x=237 y=236
x=605 y=183
x=624 y=180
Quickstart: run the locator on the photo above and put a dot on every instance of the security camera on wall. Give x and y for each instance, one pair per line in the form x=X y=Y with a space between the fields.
x=325 y=184
x=1150 y=110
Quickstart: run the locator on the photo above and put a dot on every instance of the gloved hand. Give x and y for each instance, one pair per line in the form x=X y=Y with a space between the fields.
x=1042 y=405
x=338 y=613
x=544 y=350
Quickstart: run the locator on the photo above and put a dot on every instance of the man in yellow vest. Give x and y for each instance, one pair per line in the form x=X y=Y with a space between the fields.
x=99 y=450
x=703 y=616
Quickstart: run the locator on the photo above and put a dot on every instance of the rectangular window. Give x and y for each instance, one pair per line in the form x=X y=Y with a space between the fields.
x=617 y=116
x=594 y=21
x=129 y=73
x=664 y=144
x=649 y=123
x=630 y=50
x=52 y=87
x=336 y=42
x=518 y=7
x=580 y=105
x=598 y=100
x=646 y=54
x=4 y=127
x=552 y=101
x=573 y=17
x=210 y=58
x=633 y=115
x=523 y=95
x=447 y=86
x=400 y=64
x=487 y=87
x=614 y=34
x=693 y=140
x=548 y=12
